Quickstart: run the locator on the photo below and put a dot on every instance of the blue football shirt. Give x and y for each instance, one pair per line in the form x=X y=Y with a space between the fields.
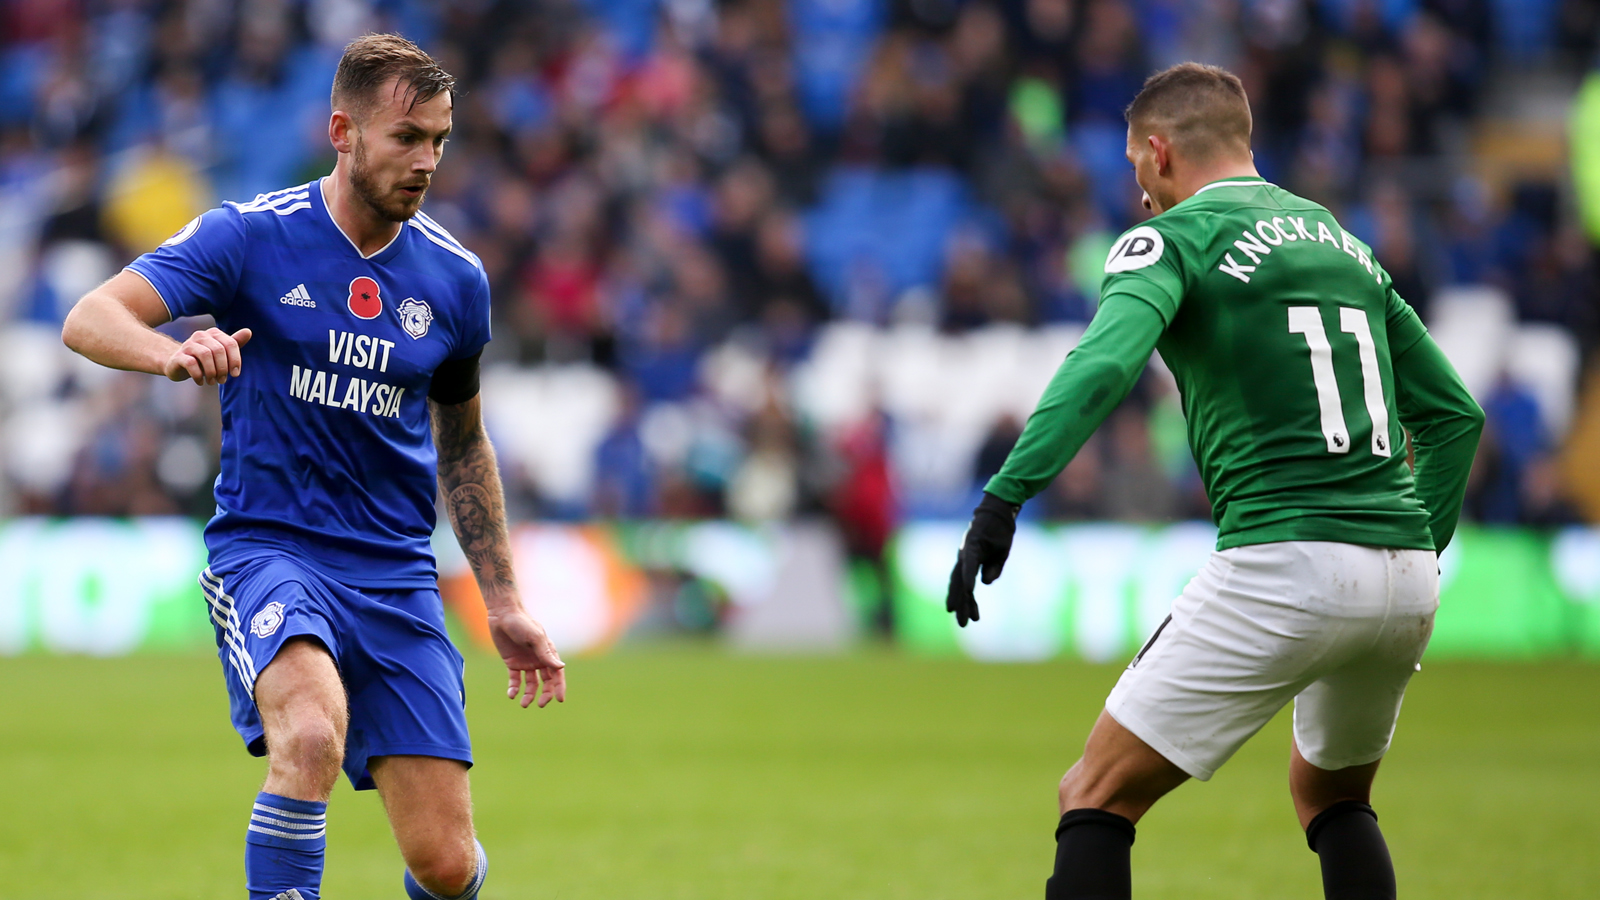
x=327 y=451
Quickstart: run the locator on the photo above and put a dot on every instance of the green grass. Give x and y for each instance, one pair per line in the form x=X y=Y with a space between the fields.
x=690 y=773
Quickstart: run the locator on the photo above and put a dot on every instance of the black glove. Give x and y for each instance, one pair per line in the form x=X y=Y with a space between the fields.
x=986 y=546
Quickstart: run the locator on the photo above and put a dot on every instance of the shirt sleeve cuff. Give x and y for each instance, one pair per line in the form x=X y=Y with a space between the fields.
x=159 y=295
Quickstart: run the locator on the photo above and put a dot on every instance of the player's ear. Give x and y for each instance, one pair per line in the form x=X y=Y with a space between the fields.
x=1163 y=152
x=342 y=131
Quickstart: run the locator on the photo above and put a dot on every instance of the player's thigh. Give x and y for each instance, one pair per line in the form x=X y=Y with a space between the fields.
x=1347 y=717
x=299 y=692
x=429 y=803
x=1239 y=645
x=408 y=697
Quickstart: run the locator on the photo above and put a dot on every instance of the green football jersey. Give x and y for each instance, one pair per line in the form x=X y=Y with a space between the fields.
x=1279 y=325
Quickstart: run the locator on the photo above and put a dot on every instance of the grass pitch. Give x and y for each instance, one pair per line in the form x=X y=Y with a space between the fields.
x=691 y=773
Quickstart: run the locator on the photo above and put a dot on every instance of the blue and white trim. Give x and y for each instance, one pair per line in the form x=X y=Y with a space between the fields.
x=225 y=614
x=284 y=202
x=297 y=826
x=435 y=232
x=287 y=824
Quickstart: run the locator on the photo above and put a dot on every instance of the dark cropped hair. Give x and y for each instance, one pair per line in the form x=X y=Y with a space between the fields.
x=1202 y=109
x=371 y=60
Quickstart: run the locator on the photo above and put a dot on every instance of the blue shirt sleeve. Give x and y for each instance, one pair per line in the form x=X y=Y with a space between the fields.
x=196 y=271
x=474 y=331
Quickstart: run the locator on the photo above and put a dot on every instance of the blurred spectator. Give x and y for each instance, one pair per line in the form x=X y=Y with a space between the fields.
x=1514 y=441
x=863 y=505
x=1135 y=488
x=996 y=447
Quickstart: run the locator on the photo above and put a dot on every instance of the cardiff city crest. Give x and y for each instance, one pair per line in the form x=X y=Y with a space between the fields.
x=266 y=622
x=415 y=317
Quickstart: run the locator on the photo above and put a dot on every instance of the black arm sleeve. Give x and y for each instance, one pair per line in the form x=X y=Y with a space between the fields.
x=455 y=381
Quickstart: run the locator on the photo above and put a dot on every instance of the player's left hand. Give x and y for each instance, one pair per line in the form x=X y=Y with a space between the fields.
x=985 y=546
x=530 y=658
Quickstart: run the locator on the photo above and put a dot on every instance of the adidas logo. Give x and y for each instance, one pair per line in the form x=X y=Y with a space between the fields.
x=292 y=893
x=298 y=297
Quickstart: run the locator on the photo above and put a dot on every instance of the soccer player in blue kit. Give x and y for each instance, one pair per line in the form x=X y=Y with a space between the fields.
x=349 y=328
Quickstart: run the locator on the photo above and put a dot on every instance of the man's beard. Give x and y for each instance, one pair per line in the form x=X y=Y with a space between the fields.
x=386 y=205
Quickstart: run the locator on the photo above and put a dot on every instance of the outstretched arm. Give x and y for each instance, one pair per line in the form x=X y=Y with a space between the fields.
x=470 y=483
x=1092 y=380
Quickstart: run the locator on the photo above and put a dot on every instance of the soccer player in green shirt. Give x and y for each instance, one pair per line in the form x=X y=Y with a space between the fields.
x=1303 y=376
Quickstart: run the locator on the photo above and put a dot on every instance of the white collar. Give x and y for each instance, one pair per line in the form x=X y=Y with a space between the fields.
x=1217 y=184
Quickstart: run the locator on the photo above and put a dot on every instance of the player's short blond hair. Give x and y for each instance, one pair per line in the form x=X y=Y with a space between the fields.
x=371 y=60
x=1201 y=109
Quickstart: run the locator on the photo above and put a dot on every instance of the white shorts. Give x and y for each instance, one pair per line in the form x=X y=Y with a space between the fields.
x=1337 y=627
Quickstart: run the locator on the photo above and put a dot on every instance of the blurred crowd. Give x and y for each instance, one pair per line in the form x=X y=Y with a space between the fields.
x=695 y=214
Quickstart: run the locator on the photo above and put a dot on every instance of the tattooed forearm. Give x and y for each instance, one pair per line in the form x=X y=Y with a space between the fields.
x=470 y=483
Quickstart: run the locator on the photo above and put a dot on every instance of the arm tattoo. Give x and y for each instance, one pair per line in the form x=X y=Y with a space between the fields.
x=470 y=483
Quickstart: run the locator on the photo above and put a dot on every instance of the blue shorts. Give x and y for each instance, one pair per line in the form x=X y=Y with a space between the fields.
x=401 y=672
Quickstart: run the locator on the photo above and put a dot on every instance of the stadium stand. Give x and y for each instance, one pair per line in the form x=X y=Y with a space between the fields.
x=769 y=259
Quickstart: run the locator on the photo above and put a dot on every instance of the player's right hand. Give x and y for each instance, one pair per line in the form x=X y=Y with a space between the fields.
x=985 y=547
x=208 y=357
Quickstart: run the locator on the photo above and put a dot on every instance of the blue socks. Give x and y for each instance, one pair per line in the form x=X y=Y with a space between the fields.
x=283 y=848
x=418 y=892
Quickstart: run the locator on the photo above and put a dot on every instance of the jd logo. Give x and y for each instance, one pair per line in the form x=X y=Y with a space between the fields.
x=1138 y=248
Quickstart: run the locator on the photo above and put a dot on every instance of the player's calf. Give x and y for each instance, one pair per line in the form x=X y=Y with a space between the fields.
x=1118 y=779
x=284 y=847
x=443 y=876
x=303 y=713
x=1341 y=828
x=286 y=839
x=1355 y=858
x=1093 y=849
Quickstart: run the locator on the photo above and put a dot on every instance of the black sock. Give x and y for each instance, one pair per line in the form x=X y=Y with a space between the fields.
x=1092 y=849
x=1355 y=860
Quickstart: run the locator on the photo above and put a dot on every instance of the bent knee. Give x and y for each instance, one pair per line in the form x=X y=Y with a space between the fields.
x=446 y=871
x=1116 y=789
x=1083 y=788
x=312 y=745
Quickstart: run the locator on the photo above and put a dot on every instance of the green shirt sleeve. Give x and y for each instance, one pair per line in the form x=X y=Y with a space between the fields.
x=1443 y=419
x=1091 y=381
x=1147 y=263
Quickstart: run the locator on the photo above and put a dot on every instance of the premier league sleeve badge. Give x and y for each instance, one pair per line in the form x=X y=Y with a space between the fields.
x=415 y=317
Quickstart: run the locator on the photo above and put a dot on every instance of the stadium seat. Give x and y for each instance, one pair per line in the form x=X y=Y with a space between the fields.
x=1474 y=325
x=549 y=421
x=1544 y=359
